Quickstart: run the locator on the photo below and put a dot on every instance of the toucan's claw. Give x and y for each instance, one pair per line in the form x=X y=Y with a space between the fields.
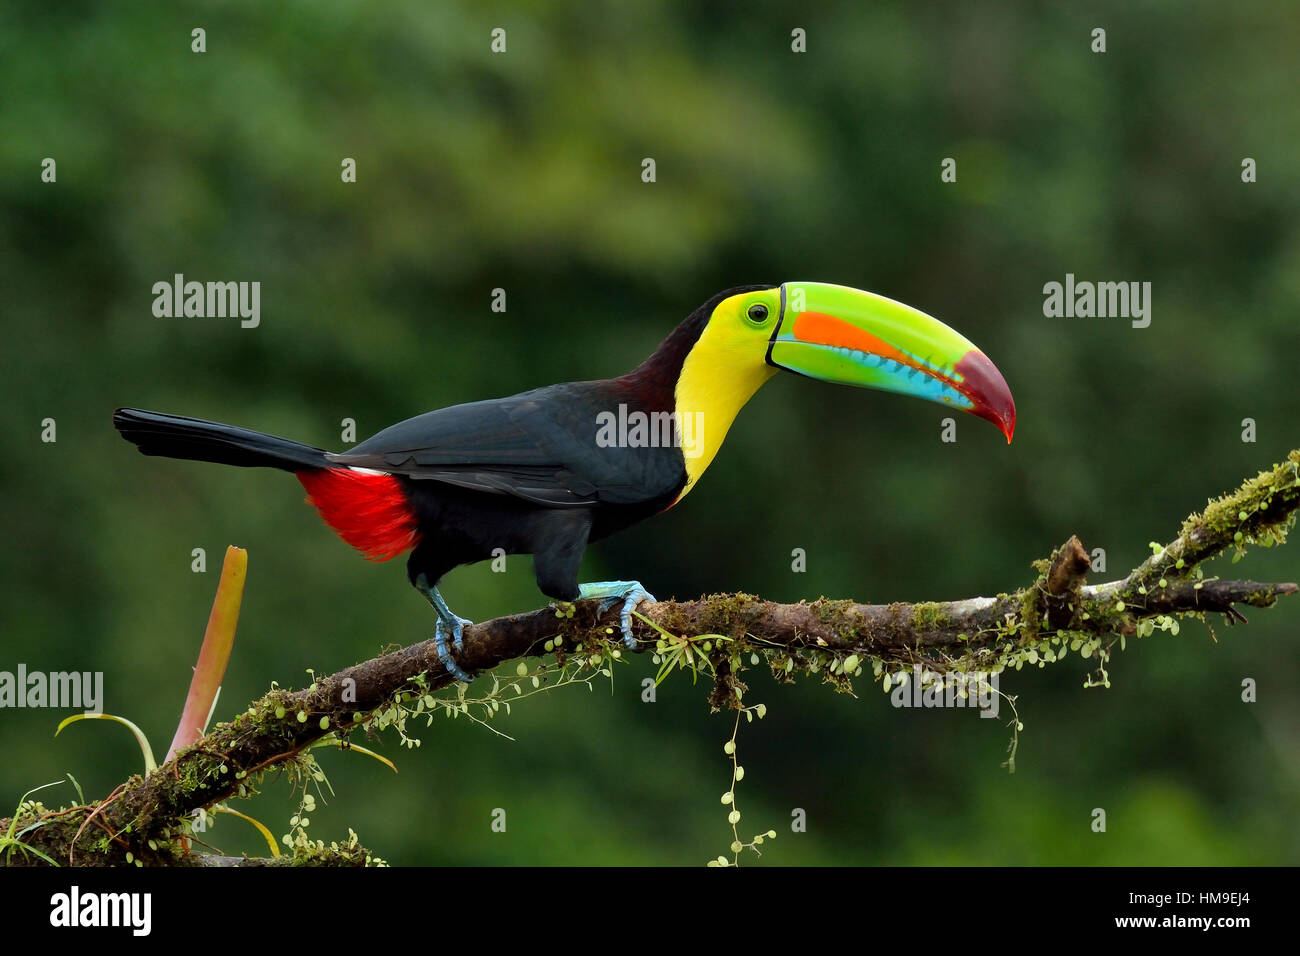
x=457 y=642
x=630 y=593
x=446 y=621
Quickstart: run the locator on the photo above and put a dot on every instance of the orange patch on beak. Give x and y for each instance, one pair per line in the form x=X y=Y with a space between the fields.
x=818 y=328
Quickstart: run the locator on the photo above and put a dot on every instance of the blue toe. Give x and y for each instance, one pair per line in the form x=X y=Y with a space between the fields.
x=629 y=593
x=458 y=633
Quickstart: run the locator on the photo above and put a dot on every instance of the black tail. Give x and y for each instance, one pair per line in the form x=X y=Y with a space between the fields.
x=175 y=436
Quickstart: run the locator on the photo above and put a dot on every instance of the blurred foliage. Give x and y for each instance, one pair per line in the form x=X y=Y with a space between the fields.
x=522 y=171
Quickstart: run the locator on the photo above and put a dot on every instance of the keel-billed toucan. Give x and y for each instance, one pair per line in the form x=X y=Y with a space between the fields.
x=546 y=471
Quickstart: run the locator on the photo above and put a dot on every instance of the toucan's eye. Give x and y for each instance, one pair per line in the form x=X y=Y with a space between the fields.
x=757 y=312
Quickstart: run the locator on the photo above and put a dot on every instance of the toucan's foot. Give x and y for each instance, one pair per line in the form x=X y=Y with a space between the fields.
x=629 y=592
x=447 y=623
x=457 y=629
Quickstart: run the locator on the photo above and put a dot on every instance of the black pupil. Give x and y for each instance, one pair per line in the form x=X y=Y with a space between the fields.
x=758 y=312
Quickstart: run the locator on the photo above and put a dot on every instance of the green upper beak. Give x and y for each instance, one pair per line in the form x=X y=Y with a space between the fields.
x=837 y=334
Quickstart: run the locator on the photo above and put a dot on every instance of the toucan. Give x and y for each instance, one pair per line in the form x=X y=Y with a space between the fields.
x=547 y=471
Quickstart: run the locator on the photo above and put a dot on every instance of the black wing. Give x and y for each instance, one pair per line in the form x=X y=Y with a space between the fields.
x=540 y=446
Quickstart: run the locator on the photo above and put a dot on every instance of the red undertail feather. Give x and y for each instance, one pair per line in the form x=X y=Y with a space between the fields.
x=369 y=512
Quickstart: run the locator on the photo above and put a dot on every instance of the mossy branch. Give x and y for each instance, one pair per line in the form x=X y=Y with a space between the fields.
x=1040 y=621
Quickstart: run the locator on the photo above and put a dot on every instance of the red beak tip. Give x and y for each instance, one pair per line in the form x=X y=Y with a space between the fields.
x=988 y=390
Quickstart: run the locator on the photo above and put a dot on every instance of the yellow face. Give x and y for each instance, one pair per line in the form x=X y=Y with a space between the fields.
x=722 y=372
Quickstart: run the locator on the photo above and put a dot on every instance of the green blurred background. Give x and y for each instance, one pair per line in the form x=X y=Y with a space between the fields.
x=522 y=171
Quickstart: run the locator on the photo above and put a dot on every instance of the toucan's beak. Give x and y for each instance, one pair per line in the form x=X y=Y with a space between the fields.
x=837 y=334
